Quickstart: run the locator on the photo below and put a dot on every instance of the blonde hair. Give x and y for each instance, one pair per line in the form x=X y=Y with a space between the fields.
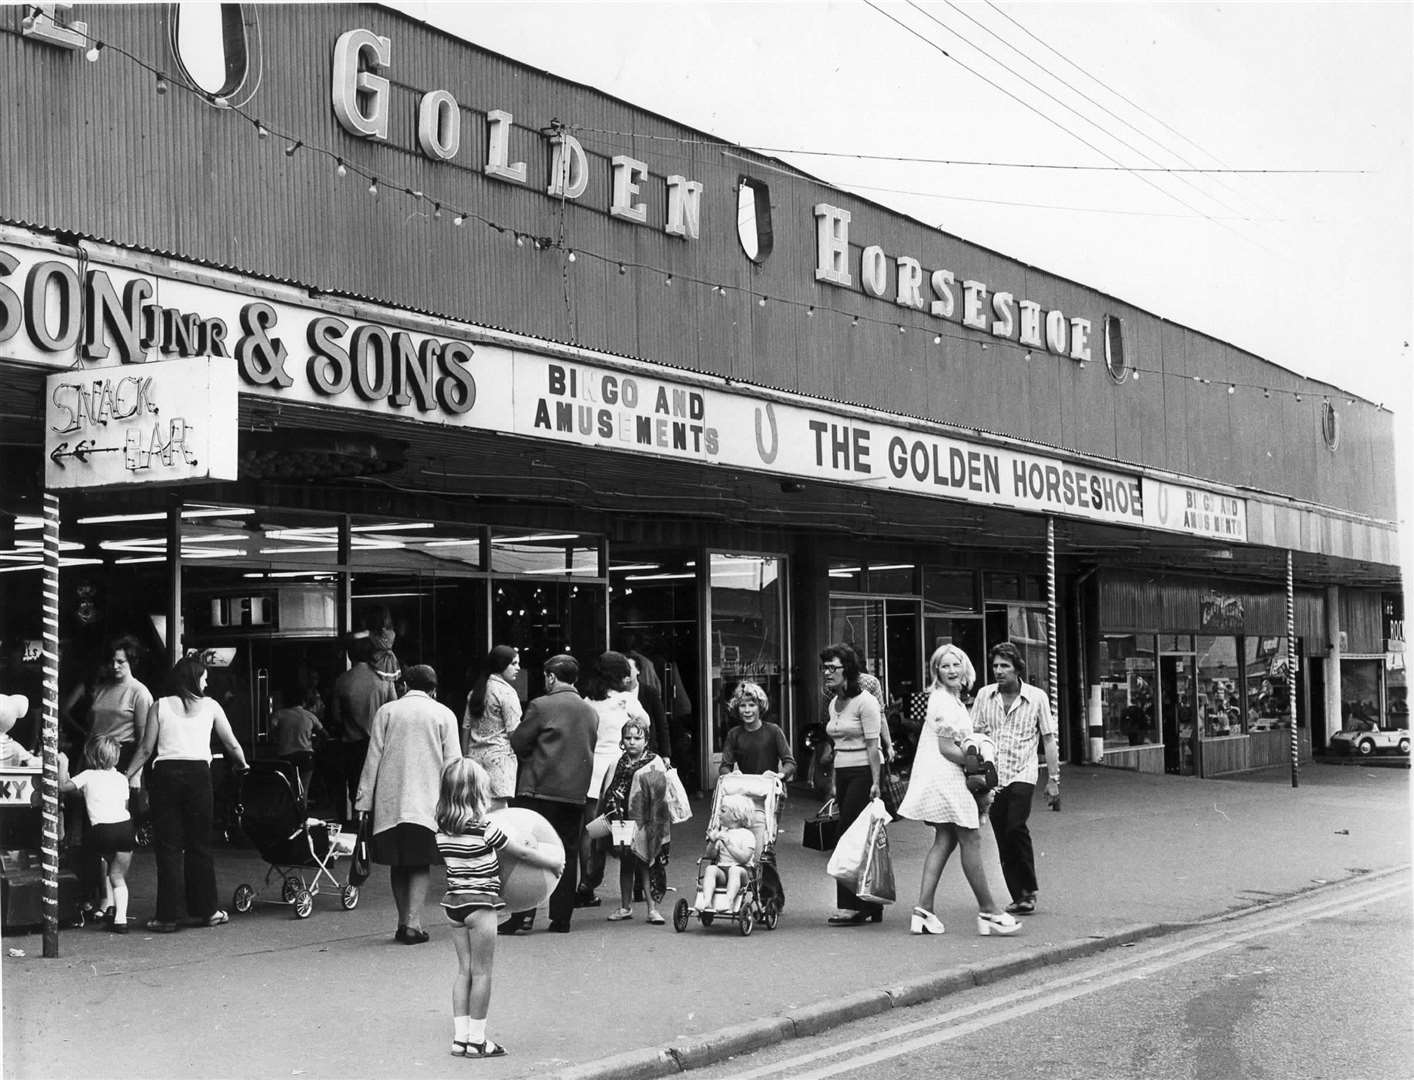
x=633 y=722
x=735 y=811
x=935 y=666
x=101 y=752
x=748 y=689
x=464 y=796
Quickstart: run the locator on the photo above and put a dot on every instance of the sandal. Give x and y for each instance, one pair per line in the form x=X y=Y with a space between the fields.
x=485 y=1049
x=656 y=918
x=217 y=918
x=620 y=915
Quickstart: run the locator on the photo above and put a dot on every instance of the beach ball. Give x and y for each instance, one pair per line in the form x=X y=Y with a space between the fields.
x=524 y=887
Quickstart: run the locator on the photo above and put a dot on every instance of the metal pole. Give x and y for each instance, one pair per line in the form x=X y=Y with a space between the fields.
x=1291 y=674
x=1053 y=683
x=49 y=736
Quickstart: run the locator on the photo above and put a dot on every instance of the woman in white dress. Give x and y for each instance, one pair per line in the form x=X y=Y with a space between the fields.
x=938 y=794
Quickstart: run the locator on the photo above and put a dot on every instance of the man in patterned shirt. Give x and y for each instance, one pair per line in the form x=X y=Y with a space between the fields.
x=1015 y=714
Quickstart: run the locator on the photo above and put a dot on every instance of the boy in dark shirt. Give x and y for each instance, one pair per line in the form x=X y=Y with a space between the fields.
x=755 y=746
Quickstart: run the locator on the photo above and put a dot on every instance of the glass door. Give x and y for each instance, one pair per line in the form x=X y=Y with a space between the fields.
x=747 y=621
x=1178 y=709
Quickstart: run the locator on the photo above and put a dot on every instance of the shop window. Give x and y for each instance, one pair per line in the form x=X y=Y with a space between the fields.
x=217 y=49
x=747 y=633
x=1267 y=670
x=892 y=578
x=1360 y=695
x=1126 y=673
x=545 y=553
x=999 y=585
x=542 y=618
x=950 y=590
x=753 y=219
x=1219 y=688
x=379 y=542
x=846 y=576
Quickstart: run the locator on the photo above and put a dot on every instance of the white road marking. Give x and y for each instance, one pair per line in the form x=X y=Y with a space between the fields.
x=965 y=1021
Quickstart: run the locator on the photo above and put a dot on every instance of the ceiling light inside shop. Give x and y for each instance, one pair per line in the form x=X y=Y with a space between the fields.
x=399 y=526
x=533 y=538
x=564 y=570
x=448 y=543
x=635 y=566
x=657 y=577
x=316 y=575
x=189 y=513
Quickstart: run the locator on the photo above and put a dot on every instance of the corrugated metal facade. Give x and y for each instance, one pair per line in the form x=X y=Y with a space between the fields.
x=92 y=150
x=1158 y=604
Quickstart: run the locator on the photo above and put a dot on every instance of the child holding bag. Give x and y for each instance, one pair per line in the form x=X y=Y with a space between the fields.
x=627 y=818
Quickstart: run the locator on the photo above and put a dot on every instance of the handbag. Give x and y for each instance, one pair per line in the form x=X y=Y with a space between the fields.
x=622 y=833
x=876 y=879
x=360 y=866
x=892 y=789
x=679 y=809
x=822 y=831
x=597 y=828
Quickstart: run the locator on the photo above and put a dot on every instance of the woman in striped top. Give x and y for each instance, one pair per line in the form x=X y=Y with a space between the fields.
x=469 y=845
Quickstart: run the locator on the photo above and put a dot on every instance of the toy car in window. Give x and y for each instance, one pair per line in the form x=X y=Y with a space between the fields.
x=1367 y=738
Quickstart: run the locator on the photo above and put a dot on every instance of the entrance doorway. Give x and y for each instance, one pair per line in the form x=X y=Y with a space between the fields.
x=1178 y=711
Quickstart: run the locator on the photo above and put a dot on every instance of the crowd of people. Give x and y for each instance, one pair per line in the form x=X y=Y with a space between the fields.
x=591 y=755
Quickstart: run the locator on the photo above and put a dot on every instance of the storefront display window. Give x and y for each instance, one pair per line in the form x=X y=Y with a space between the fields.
x=1268 y=671
x=949 y=590
x=747 y=633
x=846 y=575
x=1360 y=694
x=1126 y=666
x=552 y=554
x=1219 y=687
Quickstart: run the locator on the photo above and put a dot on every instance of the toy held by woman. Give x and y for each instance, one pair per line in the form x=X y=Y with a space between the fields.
x=470 y=846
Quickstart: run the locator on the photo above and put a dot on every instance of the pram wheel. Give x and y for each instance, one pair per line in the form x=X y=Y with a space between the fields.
x=304 y=904
x=244 y=899
x=290 y=889
x=770 y=915
x=349 y=897
x=746 y=921
x=680 y=916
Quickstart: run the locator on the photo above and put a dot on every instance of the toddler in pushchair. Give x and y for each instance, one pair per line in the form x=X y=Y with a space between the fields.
x=736 y=875
x=272 y=812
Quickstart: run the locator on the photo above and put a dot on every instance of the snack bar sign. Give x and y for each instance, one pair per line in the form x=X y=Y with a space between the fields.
x=168 y=422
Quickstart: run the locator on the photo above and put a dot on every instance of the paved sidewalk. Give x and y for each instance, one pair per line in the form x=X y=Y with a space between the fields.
x=334 y=996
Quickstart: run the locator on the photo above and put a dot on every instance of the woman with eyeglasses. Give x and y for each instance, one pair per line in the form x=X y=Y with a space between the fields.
x=854 y=724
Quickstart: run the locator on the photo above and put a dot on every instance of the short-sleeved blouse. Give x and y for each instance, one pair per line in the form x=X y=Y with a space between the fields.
x=937 y=788
x=853 y=724
x=613 y=712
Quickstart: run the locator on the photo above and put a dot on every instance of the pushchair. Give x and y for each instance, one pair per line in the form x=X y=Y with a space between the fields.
x=761 y=898
x=272 y=811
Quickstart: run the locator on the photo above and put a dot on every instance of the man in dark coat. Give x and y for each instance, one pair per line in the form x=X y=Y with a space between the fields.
x=554 y=743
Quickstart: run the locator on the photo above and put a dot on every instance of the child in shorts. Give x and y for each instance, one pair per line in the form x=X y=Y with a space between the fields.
x=108 y=840
x=735 y=845
x=469 y=844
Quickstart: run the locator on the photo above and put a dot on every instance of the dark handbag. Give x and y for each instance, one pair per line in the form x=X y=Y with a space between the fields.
x=360 y=866
x=892 y=789
x=822 y=832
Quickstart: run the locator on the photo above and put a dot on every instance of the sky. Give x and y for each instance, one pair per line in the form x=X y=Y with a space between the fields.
x=1308 y=269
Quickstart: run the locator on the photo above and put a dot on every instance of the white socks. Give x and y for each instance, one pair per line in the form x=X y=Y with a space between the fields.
x=475 y=1030
x=459 y=1026
x=120 y=903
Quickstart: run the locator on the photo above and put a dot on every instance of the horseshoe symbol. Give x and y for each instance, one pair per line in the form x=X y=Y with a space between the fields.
x=767 y=456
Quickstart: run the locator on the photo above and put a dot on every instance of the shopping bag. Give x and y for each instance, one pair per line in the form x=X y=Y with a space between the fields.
x=360 y=866
x=876 y=879
x=847 y=862
x=822 y=831
x=892 y=789
x=622 y=833
x=679 y=809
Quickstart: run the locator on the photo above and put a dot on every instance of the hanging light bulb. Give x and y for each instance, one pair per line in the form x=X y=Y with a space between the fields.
x=854 y=321
x=290 y=150
x=373 y=187
x=1134 y=374
x=93 y=50
x=342 y=170
x=1266 y=393
x=1232 y=388
x=161 y=85
x=937 y=339
x=260 y=131
x=903 y=330
x=571 y=256
x=810 y=313
x=761 y=302
x=436 y=210
x=221 y=102
x=460 y=219
x=668 y=280
x=623 y=269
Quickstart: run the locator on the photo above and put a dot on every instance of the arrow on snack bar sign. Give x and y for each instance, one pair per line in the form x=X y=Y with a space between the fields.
x=80 y=450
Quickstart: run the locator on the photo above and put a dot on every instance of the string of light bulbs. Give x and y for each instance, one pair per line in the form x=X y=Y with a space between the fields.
x=540 y=242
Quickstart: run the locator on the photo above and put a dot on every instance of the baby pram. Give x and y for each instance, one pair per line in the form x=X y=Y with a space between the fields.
x=761 y=898
x=272 y=812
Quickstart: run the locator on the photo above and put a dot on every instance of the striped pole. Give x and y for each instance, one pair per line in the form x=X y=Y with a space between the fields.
x=1291 y=674
x=49 y=739
x=1053 y=682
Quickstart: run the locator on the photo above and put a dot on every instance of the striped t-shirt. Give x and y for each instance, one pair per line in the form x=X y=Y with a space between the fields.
x=472 y=864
